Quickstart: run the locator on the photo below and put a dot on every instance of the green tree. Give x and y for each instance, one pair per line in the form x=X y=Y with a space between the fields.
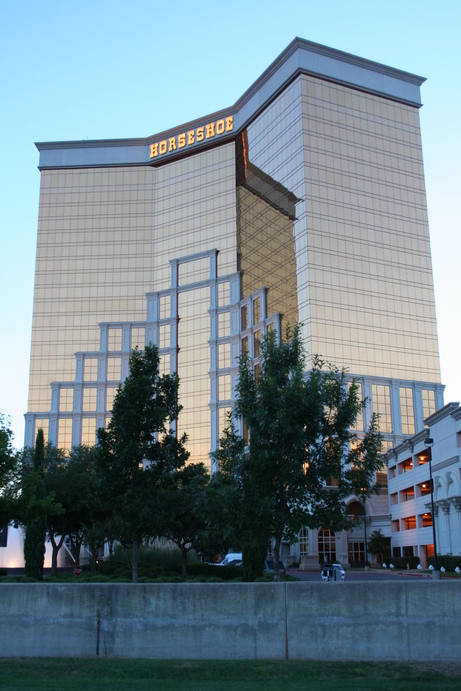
x=35 y=528
x=238 y=507
x=139 y=450
x=77 y=487
x=378 y=544
x=8 y=472
x=185 y=504
x=296 y=470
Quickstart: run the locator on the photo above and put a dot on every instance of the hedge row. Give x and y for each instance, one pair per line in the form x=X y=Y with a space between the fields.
x=448 y=561
x=401 y=562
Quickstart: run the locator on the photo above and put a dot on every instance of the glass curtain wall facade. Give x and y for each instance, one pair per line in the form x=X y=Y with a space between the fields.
x=304 y=202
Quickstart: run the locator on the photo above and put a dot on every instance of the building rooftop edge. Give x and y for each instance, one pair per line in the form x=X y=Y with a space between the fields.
x=300 y=56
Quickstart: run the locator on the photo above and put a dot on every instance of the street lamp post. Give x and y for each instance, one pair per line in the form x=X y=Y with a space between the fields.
x=429 y=443
x=365 y=529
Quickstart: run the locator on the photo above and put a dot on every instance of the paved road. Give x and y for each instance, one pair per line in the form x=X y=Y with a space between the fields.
x=367 y=576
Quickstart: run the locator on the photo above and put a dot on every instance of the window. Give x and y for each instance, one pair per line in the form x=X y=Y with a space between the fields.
x=164 y=364
x=428 y=402
x=114 y=369
x=427 y=520
x=407 y=551
x=114 y=339
x=407 y=411
x=164 y=339
x=223 y=355
x=89 y=400
x=223 y=324
x=223 y=294
x=138 y=338
x=244 y=318
x=257 y=372
x=42 y=423
x=66 y=400
x=327 y=545
x=165 y=302
x=257 y=344
x=356 y=551
x=256 y=311
x=110 y=395
x=90 y=369
x=304 y=542
x=89 y=431
x=409 y=522
x=4 y=536
x=244 y=344
x=223 y=419
x=224 y=387
x=65 y=434
x=382 y=405
x=359 y=421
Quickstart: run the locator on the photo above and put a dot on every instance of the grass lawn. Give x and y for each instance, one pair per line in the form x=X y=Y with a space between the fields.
x=71 y=674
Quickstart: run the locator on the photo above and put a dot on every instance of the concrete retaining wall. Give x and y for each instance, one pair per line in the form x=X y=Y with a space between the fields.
x=337 y=621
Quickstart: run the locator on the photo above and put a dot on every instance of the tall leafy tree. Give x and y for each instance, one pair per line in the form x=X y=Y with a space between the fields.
x=139 y=450
x=35 y=528
x=8 y=469
x=77 y=487
x=186 y=518
x=296 y=470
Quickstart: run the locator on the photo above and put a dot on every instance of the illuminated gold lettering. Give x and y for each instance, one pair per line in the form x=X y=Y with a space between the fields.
x=172 y=144
x=181 y=140
x=220 y=127
x=162 y=146
x=153 y=150
x=200 y=133
x=210 y=130
x=229 y=123
x=191 y=137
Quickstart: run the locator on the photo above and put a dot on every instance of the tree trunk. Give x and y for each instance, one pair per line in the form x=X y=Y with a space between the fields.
x=278 y=540
x=184 y=562
x=135 y=561
x=56 y=546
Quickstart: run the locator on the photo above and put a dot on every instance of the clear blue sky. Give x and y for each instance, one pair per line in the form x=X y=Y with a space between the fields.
x=99 y=69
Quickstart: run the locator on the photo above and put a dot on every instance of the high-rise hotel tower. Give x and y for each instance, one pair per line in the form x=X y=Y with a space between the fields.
x=305 y=200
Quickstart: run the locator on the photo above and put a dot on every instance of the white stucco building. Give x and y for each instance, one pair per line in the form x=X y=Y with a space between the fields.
x=409 y=488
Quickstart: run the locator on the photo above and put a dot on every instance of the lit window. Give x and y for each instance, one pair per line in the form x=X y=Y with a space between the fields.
x=165 y=303
x=244 y=318
x=138 y=338
x=223 y=324
x=257 y=343
x=114 y=339
x=89 y=399
x=223 y=355
x=66 y=400
x=382 y=405
x=114 y=369
x=428 y=402
x=224 y=387
x=90 y=369
x=223 y=294
x=164 y=339
x=407 y=411
x=89 y=431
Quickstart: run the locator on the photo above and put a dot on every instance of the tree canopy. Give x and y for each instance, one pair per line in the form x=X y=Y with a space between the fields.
x=139 y=450
x=302 y=459
x=8 y=471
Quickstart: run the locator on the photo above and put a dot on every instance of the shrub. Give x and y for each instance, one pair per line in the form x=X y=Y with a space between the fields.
x=401 y=562
x=448 y=561
x=3 y=572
